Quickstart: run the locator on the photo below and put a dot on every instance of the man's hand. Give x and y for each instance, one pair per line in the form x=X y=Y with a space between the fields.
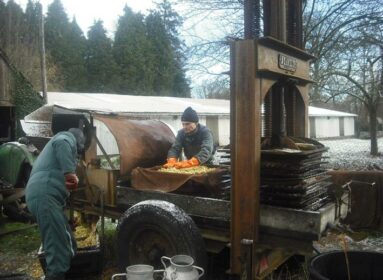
x=171 y=162
x=71 y=181
x=187 y=163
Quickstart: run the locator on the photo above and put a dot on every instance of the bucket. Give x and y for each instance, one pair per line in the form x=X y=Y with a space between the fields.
x=138 y=272
x=87 y=261
x=332 y=265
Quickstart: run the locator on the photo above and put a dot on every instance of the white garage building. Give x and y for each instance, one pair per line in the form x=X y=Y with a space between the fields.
x=215 y=113
x=324 y=123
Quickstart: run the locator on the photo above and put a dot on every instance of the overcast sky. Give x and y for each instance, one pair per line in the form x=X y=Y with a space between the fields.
x=87 y=11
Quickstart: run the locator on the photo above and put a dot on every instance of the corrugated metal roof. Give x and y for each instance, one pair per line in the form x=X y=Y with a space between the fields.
x=116 y=103
x=136 y=104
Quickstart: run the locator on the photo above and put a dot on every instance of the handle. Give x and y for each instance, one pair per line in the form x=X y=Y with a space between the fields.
x=118 y=275
x=163 y=262
x=160 y=270
x=201 y=269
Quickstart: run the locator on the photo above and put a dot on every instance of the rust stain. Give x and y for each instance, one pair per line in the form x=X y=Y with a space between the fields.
x=142 y=143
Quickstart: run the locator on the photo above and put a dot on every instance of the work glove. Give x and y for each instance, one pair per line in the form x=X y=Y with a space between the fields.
x=171 y=162
x=71 y=181
x=187 y=163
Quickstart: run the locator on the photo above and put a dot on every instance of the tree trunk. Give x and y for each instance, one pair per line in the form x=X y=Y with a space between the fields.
x=373 y=133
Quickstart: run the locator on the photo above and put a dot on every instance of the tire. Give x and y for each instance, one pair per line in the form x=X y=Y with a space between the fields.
x=154 y=228
x=18 y=213
x=17 y=210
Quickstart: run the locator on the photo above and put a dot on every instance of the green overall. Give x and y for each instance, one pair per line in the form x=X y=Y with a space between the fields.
x=46 y=196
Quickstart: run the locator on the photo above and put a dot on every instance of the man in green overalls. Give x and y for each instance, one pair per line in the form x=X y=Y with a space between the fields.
x=53 y=174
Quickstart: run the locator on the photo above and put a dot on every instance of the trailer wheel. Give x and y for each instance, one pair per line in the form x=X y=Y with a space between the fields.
x=17 y=210
x=154 y=228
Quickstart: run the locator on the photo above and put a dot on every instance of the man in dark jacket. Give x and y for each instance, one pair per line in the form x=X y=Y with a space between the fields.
x=194 y=139
x=52 y=177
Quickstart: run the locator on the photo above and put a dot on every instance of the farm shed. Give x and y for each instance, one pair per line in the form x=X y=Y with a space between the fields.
x=215 y=113
x=324 y=123
x=17 y=99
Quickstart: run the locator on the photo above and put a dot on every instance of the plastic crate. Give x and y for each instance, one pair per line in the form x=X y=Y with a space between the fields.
x=87 y=261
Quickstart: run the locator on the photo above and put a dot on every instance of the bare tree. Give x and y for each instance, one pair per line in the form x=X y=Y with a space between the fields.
x=208 y=27
x=210 y=24
x=362 y=76
x=341 y=34
x=329 y=33
x=217 y=89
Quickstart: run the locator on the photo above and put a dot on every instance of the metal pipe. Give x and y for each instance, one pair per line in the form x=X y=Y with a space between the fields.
x=102 y=236
x=42 y=55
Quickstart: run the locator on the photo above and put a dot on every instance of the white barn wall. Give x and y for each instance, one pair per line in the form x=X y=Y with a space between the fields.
x=308 y=130
x=169 y=110
x=327 y=127
x=349 y=126
x=224 y=130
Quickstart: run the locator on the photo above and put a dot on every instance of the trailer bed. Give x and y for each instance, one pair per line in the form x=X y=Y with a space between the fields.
x=279 y=226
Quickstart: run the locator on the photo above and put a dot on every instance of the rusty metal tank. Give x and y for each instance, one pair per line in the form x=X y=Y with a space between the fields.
x=143 y=143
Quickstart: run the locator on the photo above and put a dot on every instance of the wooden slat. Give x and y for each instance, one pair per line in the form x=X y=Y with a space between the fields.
x=192 y=205
x=245 y=143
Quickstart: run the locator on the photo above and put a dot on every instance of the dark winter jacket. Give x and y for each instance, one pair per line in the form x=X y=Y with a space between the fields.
x=198 y=144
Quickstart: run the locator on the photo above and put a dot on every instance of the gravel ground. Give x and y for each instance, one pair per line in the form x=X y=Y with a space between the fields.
x=352 y=154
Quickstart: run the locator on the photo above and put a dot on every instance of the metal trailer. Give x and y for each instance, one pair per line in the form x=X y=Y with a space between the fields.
x=273 y=71
x=254 y=239
x=153 y=223
x=258 y=237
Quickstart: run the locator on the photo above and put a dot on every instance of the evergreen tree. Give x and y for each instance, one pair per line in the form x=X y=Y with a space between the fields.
x=30 y=66
x=132 y=54
x=2 y=23
x=32 y=20
x=75 y=67
x=56 y=25
x=14 y=28
x=163 y=55
x=101 y=68
x=65 y=43
x=19 y=38
x=172 y=21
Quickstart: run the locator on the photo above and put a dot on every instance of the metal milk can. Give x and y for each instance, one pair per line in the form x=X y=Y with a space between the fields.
x=138 y=272
x=181 y=268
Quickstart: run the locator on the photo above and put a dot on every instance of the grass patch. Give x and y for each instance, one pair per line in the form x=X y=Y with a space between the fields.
x=19 y=240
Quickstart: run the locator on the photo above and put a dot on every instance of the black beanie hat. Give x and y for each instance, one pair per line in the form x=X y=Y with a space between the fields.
x=189 y=115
